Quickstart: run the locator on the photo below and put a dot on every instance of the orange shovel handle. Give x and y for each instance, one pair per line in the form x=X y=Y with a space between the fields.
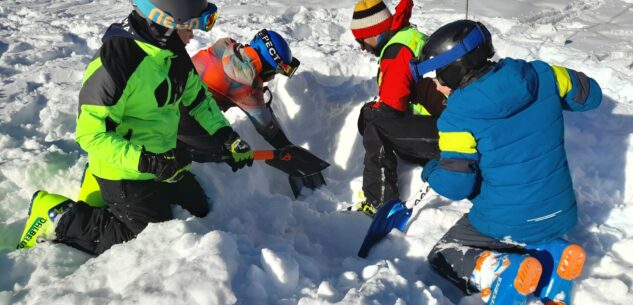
x=263 y=154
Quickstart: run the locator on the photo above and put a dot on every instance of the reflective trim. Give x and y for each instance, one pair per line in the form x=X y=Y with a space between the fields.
x=461 y=142
x=563 y=79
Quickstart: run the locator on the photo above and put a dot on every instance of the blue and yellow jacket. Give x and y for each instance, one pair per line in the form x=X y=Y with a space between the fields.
x=502 y=146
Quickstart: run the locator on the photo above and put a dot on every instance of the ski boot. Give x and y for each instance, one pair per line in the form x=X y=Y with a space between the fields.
x=562 y=263
x=363 y=205
x=506 y=279
x=45 y=209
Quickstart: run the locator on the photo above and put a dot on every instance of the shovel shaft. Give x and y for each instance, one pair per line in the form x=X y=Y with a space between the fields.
x=263 y=154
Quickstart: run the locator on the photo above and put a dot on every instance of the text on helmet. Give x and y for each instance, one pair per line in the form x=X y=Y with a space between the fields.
x=159 y=16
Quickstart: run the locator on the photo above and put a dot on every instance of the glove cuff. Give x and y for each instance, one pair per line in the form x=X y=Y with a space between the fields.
x=145 y=161
x=225 y=135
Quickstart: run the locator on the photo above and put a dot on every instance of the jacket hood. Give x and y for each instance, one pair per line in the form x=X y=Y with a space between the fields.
x=506 y=89
x=136 y=27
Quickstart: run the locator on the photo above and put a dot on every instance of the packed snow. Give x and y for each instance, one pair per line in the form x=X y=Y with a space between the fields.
x=260 y=245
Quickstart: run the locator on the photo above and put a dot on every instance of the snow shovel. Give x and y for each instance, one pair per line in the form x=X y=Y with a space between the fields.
x=303 y=168
x=393 y=214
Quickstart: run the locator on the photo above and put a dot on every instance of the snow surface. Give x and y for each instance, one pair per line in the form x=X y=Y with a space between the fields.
x=259 y=246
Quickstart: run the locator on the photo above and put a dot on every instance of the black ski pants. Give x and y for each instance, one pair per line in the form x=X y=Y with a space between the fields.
x=131 y=206
x=455 y=255
x=387 y=135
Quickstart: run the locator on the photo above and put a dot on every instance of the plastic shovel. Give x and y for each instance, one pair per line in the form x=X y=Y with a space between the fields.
x=393 y=214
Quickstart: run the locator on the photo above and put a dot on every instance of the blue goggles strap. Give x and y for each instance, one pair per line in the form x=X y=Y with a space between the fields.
x=150 y=11
x=475 y=38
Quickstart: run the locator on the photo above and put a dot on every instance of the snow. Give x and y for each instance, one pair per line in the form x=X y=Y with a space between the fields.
x=259 y=245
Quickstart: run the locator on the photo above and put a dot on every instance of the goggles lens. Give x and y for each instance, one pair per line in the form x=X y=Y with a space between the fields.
x=288 y=69
x=208 y=18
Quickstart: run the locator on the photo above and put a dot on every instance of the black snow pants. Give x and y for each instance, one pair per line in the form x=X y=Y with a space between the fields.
x=387 y=135
x=455 y=255
x=131 y=206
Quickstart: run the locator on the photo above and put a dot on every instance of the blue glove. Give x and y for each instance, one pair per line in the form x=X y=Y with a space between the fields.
x=429 y=168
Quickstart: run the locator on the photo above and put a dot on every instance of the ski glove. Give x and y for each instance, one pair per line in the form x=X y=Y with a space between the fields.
x=168 y=167
x=240 y=152
x=429 y=168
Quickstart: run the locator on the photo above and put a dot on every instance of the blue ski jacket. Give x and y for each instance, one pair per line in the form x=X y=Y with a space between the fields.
x=502 y=146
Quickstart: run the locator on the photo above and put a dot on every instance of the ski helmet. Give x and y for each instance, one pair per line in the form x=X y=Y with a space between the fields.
x=454 y=51
x=275 y=52
x=178 y=14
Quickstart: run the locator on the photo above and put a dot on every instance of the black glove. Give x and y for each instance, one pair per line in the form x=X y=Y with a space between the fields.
x=169 y=166
x=238 y=151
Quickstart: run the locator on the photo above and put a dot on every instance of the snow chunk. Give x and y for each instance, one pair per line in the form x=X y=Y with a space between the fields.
x=282 y=269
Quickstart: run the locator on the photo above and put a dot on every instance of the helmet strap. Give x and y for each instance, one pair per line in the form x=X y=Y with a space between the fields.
x=267 y=69
x=159 y=32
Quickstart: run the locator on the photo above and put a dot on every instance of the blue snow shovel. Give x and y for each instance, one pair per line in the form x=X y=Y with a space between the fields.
x=393 y=214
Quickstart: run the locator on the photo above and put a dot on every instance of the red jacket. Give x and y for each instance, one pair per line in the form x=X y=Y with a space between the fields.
x=396 y=82
x=396 y=85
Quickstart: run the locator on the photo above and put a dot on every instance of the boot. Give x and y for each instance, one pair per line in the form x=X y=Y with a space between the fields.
x=562 y=263
x=364 y=205
x=505 y=279
x=45 y=211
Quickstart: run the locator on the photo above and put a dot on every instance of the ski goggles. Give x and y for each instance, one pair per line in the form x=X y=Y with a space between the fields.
x=288 y=69
x=282 y=67
x=204 y=22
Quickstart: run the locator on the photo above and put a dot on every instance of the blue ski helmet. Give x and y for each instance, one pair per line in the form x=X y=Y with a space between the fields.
x=275 y=52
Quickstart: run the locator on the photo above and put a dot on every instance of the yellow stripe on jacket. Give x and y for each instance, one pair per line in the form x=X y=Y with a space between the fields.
x=460 y=142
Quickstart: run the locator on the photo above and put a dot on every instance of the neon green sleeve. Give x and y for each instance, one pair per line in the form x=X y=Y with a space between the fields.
x=201 y=105
x=93 y=136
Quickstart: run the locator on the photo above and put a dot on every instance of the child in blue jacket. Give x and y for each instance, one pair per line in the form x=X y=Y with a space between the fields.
x=502 y=147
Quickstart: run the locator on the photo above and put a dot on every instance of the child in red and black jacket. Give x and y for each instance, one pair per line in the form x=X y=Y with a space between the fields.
x=402 y=121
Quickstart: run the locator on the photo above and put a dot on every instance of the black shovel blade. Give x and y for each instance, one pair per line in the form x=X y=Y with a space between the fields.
x=297 y=161
x=312 y=182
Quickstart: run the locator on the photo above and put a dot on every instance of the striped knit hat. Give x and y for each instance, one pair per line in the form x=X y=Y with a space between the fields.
x=371 y=18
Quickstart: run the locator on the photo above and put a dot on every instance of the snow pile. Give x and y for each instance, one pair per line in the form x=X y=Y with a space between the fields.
x=260 y=246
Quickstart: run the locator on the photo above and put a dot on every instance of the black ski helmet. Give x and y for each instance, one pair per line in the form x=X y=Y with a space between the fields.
x=178 y=14
x=455 y=51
